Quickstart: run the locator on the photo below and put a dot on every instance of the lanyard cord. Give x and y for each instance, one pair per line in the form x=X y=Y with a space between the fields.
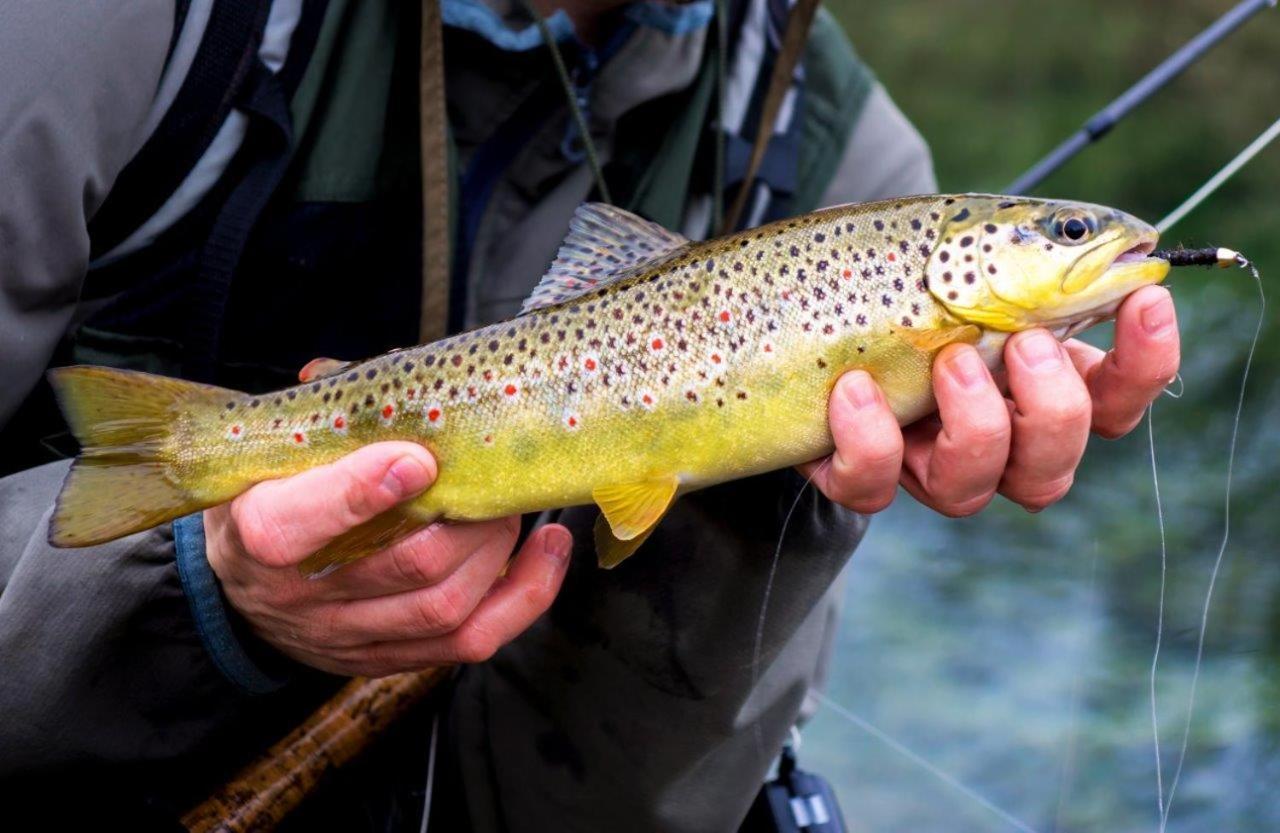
x=562 y=72
x=717 y=171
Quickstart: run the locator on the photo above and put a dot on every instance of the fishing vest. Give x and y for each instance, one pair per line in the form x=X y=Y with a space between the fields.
x=222 y=255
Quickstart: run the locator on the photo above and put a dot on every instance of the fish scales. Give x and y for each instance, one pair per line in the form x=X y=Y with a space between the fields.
x=645 y=359
x=693 y=363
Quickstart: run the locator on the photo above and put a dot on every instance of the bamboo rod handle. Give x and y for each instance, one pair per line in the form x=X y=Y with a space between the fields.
x=264 y=792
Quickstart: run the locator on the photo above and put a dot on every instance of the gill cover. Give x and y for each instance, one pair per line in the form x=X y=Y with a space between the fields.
x=1010 y=263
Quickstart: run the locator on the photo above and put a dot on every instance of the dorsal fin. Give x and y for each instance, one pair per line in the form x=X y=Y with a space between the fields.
x=605 y=244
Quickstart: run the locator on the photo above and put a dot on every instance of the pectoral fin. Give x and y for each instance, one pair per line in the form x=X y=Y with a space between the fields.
x=629 y=512
x=932 y=340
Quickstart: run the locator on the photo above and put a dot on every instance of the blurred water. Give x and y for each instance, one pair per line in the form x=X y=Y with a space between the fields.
x=1011 y=650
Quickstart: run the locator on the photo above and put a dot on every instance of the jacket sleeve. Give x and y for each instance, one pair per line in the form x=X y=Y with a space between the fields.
x=102 y=659
x=105 y=659
x=78 y=81
x=644 y=698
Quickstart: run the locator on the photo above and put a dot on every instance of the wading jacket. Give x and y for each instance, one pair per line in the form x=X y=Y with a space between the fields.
x=128 y=690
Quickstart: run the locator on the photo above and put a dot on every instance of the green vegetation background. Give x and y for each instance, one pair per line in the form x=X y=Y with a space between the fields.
x=1011 y=650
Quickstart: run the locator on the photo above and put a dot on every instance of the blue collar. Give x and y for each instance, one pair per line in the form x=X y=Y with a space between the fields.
x=479 y=17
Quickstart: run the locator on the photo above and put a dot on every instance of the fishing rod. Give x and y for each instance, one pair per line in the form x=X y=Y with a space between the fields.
x=1101 y=123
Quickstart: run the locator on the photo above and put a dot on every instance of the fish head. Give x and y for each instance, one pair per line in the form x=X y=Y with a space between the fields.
x=1012 y=263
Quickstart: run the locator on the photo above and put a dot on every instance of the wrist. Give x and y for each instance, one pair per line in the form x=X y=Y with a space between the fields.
x=246 y=663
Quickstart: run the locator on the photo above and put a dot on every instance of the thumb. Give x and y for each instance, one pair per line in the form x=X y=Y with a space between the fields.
x=281 y=522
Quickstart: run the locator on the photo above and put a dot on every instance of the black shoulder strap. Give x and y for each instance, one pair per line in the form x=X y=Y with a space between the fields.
x=227 y=54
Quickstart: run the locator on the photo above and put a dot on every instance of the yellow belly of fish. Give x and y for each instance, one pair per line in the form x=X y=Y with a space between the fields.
x=529 y=466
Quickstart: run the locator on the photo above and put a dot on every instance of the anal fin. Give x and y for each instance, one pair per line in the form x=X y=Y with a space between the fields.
x=629 y=513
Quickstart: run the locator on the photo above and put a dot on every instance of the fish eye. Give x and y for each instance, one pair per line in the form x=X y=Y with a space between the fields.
x=1074 y=228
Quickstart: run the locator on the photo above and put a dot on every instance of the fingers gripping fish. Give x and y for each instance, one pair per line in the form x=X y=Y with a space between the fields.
x=643 y=366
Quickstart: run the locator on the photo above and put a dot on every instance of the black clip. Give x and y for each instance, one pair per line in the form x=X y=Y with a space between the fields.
x=795 y=801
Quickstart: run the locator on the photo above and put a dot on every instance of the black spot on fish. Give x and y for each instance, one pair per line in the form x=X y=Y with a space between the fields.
x=962 y=216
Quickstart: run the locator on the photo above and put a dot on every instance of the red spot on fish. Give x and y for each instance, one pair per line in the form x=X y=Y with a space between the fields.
x=725 y=316
x=488 y=439
x=891 y=256
x=339 y=423
x=299 y=437
x=235 y=430
x=848 y=273
x=387 y=411
x=488 y=375
x=716 y=358
x=657 y=344
x=510 y=390
x=589 y=363
x=433 y=415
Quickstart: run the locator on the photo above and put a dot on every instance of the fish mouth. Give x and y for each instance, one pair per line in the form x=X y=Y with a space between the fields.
x=1136 y=253
x=1130 y=270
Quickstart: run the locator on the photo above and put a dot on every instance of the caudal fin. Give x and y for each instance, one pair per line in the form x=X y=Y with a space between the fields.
x=123 y=481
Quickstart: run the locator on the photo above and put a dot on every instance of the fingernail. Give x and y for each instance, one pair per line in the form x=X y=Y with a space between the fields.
x=967 y=369
x=406 y=476
x=1158 y=316
x=1039 y=351
x=859 y=391
x=556 y=543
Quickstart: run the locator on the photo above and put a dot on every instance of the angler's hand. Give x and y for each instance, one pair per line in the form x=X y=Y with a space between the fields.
x=435 y=597
x=1026 y=446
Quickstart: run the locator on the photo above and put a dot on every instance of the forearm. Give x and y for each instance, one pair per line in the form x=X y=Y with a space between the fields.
x=78 y=80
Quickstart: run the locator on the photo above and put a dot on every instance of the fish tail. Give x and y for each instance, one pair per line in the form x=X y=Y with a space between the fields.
x=124 y=480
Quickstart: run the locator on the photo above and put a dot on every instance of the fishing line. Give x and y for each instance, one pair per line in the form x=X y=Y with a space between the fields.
x=431 y=773
x=1222 y=547
x=1164 y=577
x=1229 y=170
x=920 y=761
x=758 y=647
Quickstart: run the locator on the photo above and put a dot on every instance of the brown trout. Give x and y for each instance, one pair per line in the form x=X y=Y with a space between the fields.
x=643 y=366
